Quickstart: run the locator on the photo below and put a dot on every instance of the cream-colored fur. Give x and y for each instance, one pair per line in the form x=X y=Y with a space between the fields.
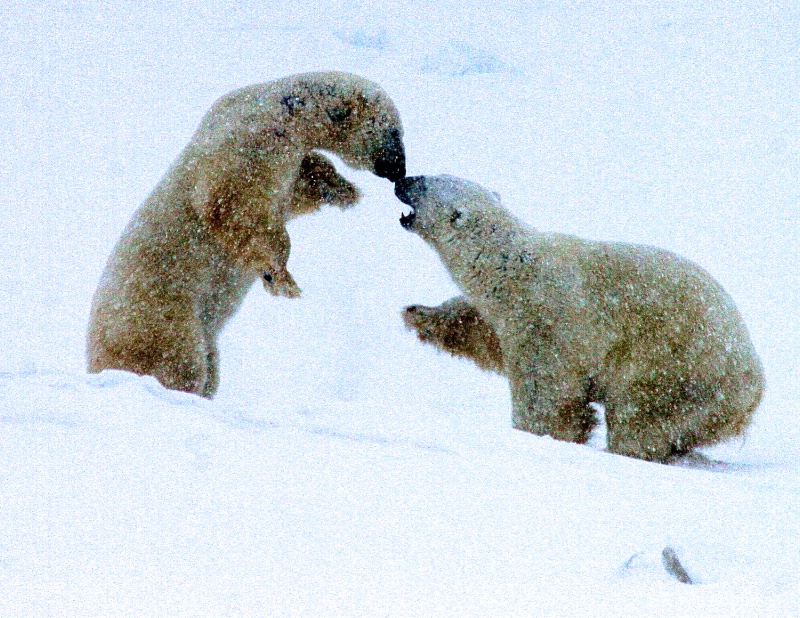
x=217 y=221
x=645 y=332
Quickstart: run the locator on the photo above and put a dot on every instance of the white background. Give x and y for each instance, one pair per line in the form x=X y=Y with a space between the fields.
x=344 y=468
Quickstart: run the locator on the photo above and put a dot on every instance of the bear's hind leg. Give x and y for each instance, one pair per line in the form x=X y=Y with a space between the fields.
x=657 y=423
x=628 y=434
x=212 y=372
x=165 y=342
x=180 y=359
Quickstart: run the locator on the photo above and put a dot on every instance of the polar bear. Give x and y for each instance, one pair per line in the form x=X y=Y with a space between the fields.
x=169 y=288
x=217 y=221
x=641 y=330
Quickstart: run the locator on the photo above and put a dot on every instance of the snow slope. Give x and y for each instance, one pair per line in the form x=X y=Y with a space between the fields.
x=345 y=469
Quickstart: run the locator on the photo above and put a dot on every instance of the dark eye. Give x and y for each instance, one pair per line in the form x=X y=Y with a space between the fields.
x=455 y=216
x=339 y=114
x=267 y=277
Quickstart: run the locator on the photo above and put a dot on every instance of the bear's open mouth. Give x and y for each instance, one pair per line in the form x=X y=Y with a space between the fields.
x=408 y=190
x=407 y=220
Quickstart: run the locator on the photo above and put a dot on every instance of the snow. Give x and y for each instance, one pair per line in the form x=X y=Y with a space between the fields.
x=344 y=468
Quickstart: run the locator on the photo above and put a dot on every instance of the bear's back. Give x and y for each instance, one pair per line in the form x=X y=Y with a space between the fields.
x=647 y=292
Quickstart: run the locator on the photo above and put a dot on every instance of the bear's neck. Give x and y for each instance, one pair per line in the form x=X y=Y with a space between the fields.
x=493 y=265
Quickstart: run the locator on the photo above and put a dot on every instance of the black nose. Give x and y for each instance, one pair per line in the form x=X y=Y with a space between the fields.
x=390 y=168
x=391 y=160
x=410 y=189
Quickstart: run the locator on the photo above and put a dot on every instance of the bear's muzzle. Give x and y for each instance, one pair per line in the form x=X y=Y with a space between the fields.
x=390 y=161
x=409 y=190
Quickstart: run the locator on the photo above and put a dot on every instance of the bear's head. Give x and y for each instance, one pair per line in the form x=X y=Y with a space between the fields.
x=446 y=209
x=353 y=117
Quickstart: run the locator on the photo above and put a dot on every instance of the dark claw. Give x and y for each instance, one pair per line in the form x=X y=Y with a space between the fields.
x=408 y=220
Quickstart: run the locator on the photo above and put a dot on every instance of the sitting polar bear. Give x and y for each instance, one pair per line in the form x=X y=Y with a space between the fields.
x=572 y=322
x=217 y=221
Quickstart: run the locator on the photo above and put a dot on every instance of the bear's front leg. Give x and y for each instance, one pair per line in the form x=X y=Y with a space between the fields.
x=160 y=336
x=319 y=183
x=247 y=215
x=266 y=251
x=279 y=282
x=457 y=327
x=549 y=399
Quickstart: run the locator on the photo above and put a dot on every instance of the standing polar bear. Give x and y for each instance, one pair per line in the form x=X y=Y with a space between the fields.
x=217 y=221
x=572 y=322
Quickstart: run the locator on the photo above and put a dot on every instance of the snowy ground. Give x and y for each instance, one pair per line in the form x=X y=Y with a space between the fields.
x=344 y=469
